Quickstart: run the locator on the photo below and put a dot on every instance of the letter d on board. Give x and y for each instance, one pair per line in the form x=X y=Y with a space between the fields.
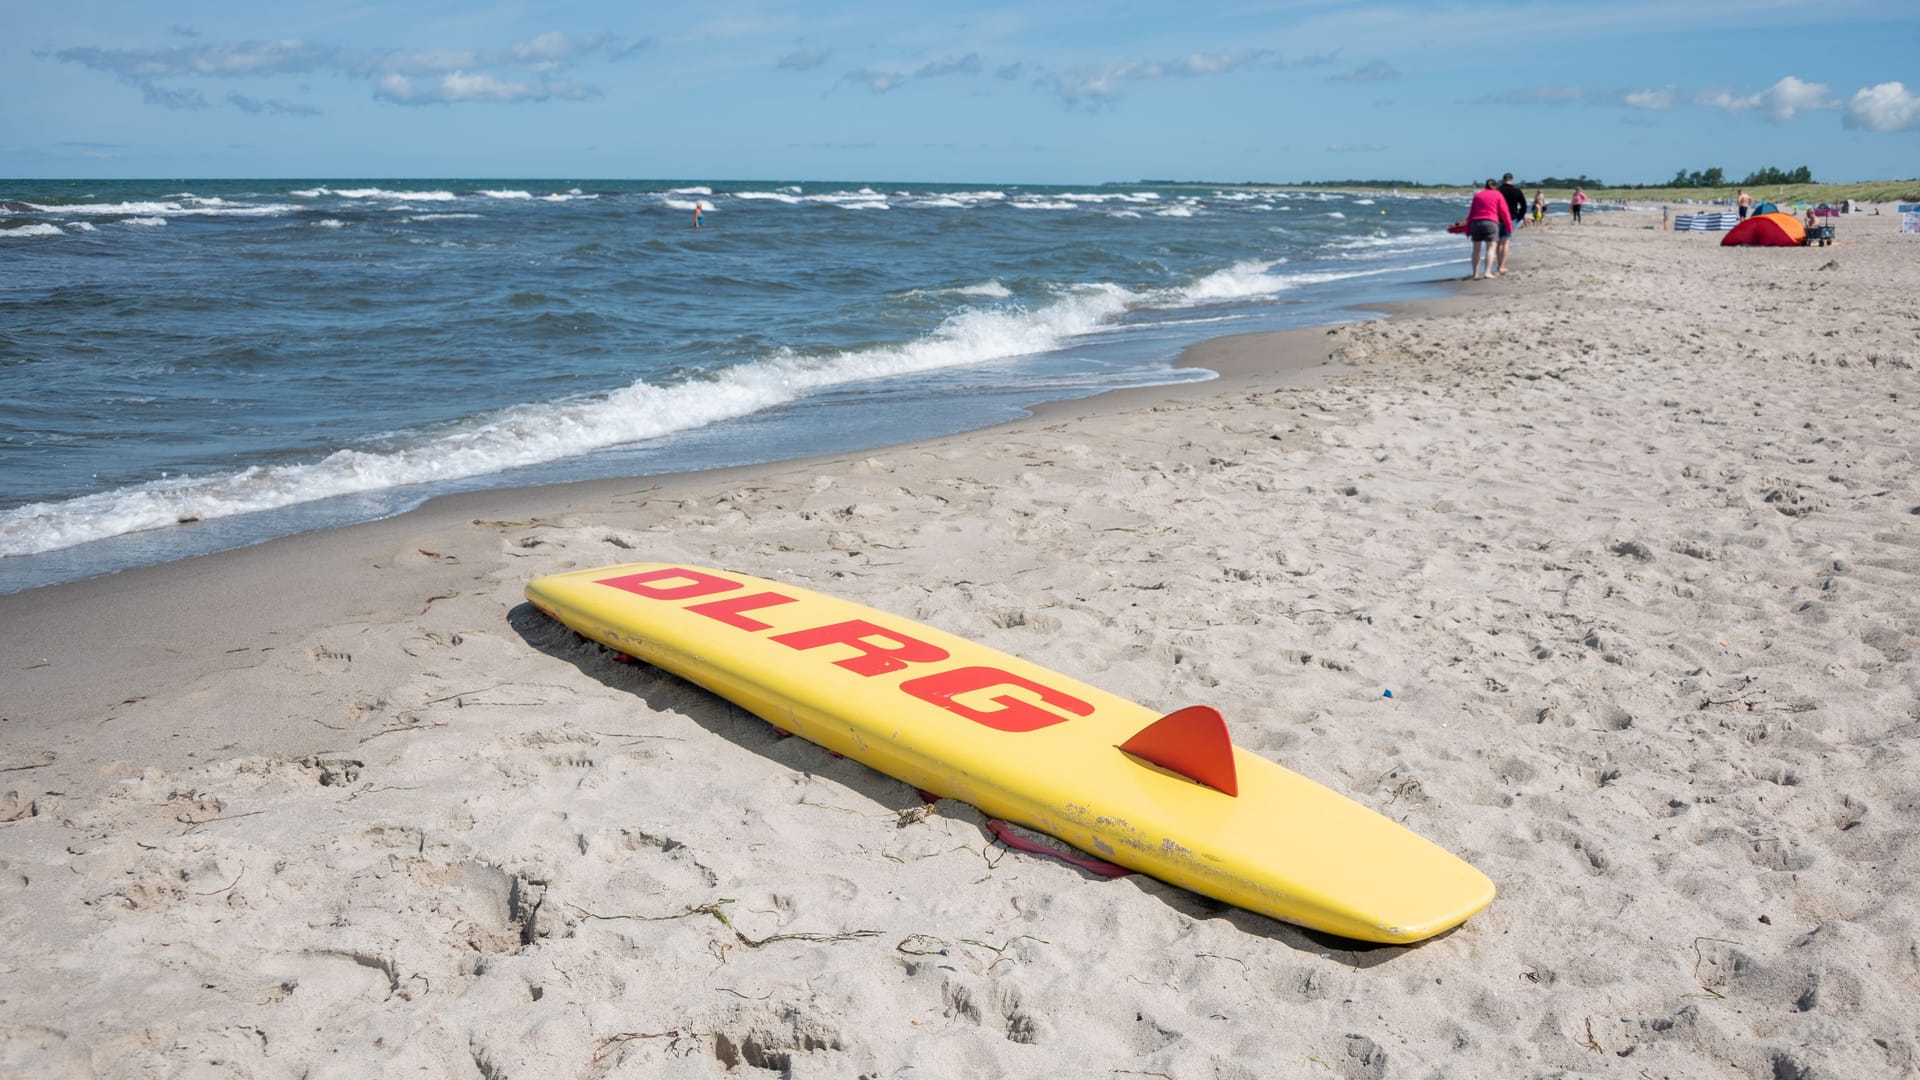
x=653 y=584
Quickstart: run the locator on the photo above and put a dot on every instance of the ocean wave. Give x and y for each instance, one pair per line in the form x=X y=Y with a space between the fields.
x=145 y=222
x=384 y=193
x=202 y=208
x=992 y=290
x=1255 y=278
x=508 y=194
x=443 y=217
x=110 y=208
x=536 y=433
x=38 y=228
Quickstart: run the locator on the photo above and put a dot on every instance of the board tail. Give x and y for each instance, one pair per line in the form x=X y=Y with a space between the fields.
x=1192 y=742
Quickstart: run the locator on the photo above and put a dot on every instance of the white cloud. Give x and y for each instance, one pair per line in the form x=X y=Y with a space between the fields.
x=1886 y=107
x=1649 y=99
x=1105 y=84
x=1778 y=103
x=462 y=86
x=554 y=48
x=1376 y=71
x=804 y=60
x=882 y=80
x=401 y=76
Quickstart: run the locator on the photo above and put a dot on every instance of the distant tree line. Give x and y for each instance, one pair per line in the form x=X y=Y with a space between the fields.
x=1715 y=177
x=1581 y=181
x=1362 y=183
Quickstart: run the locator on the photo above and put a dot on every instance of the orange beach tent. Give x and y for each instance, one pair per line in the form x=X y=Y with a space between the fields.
x=1766 y=230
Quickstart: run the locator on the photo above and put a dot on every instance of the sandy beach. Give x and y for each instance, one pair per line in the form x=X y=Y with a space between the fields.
x=1632 y=536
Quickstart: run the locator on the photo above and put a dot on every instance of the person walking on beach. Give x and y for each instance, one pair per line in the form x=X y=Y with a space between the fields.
x=1579 y=200
x=1746 y=203
x=1487 y=217
x=1516 y=213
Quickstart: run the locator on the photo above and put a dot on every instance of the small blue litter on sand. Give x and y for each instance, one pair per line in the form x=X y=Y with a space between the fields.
x=1386 y=693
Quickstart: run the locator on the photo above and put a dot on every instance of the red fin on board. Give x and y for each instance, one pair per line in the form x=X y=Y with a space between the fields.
x=1192 y=742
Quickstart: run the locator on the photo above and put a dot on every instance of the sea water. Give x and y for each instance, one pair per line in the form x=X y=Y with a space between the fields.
x=187 y=366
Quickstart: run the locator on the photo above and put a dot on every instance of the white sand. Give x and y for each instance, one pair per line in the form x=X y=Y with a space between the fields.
x=1633 y=537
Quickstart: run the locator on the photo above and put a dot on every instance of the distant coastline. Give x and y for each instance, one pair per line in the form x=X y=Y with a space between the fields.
x=1871 y=191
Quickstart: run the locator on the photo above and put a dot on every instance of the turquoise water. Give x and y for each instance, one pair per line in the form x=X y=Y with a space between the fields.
x=192 y=365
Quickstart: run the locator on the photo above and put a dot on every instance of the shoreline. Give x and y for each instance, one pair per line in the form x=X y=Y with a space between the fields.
x=1628 y=538
x=52 y=619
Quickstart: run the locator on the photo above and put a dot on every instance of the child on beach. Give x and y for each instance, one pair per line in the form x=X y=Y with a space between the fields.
x=1539 y=206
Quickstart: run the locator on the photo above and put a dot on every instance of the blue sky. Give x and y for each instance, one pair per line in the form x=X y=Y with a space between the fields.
x=1058 y=92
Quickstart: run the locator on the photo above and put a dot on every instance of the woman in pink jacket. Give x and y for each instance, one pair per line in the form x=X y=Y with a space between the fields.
x=1486 y=217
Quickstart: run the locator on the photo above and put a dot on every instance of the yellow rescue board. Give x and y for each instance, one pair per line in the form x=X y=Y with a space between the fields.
x=1030 y=745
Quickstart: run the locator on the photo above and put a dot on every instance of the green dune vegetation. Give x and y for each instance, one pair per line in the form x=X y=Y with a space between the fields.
x=1873 y=191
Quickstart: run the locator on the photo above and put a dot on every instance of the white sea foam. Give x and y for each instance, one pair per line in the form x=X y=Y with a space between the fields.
x=443 y=217
x=1241 y=280
x=690 y=191
x=330 y=223
x=1123 y=213
x=508 y=194
x=38 y=228
x=1335 y=214
x=81 y=226
x=865 y=196
x=992 y=290
x=1174 y=211
x=113 y=208
x=403 y=196
x=985 y=288
x=1363 y=202
x=1253 y=278
x=1044 y=204
x=536 y=433
x=768 y=196
x=200 y=208
x=145 y=222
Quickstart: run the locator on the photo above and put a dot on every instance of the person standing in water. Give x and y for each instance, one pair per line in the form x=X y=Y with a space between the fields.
x=697 y=209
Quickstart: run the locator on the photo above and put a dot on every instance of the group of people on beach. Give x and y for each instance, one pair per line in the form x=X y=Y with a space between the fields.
x=1496 y=211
